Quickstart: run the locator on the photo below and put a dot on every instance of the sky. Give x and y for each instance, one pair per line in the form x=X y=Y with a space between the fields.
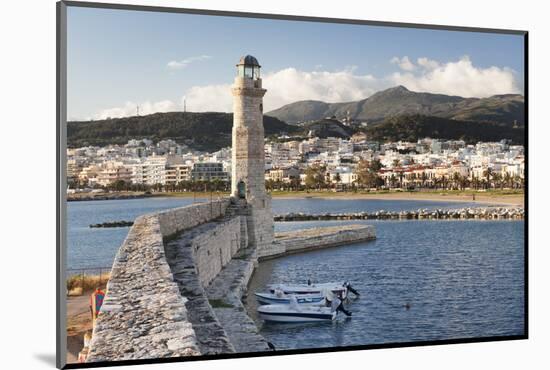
x=120 y=59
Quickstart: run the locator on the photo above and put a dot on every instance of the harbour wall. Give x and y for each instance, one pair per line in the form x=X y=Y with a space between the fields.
x=177 y=282
x=143 y=314
x=321 y=237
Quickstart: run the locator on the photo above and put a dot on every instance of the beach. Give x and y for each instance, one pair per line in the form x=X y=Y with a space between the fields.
x=493 y=197
x=516 y=199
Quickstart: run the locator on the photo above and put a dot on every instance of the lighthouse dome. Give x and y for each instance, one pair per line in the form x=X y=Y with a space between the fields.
x=248 y=60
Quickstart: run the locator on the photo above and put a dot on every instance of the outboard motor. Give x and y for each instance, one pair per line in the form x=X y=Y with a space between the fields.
x=338 y=305
x=350 y=289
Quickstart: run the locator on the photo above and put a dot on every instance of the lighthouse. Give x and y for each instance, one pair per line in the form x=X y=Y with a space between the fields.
x=248 y=157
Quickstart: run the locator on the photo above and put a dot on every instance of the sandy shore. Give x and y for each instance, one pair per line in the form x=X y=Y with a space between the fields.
x=488 y=198
x=481 y=198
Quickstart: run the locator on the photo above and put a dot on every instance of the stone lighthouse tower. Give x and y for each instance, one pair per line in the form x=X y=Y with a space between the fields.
x=248 y=162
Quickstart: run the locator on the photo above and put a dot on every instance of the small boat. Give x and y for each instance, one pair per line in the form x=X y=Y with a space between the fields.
x=303 y=313
x=340 y=289
x=281 y=298
x=294 y=312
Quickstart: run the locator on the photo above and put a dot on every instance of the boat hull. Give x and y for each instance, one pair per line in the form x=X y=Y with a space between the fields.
x=268 y=298
x=294 y=317
x=287 y=313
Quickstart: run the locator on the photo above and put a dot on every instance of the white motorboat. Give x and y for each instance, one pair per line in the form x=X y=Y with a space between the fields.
x=339 y=289
x=295 y=312
x=281 y=298
x=303 y=313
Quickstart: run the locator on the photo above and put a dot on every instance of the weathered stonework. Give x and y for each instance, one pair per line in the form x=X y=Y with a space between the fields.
x=320 y=237
x=180 y=252
x=228 y=288
x=248 y=159
x=178 y=279
x=144 y=315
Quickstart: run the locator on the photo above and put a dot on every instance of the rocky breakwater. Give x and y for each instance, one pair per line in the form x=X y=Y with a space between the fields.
x=481 y=213
x=144 y=314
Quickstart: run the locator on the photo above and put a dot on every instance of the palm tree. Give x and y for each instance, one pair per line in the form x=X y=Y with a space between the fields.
x=508 y=179
x=497 y=180
x=488 y=174
x=475 y=182
x=337 y=178
x=456 y=180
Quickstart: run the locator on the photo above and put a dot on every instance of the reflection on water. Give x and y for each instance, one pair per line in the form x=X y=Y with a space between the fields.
x=461 y=279
x=97 y=247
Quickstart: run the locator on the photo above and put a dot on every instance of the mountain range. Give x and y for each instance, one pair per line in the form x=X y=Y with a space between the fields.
x=401 y=101
x=392 y=114
x=208 y=131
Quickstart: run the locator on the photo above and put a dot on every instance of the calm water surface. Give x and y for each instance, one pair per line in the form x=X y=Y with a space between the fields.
x=90 y=248
x=461 y=278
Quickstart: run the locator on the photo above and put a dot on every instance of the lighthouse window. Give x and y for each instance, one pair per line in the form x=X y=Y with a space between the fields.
x=261 y=107
x=240 y=70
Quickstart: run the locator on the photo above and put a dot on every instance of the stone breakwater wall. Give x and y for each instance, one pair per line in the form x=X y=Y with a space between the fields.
x=321 y=237
x=481 y=213
x=177 y=282
x=173 y=221
x=144 y=315
x=215 y=247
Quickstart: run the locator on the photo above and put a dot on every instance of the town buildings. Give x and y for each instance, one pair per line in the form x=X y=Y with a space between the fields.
x=425 y=163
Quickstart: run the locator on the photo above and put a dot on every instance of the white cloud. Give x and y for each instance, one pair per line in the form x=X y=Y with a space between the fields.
x=460 y=78
x=403 y=63
x=209 y=98
x=427 y=63
x=180 y=64
x=130 y=109
x=289 y=85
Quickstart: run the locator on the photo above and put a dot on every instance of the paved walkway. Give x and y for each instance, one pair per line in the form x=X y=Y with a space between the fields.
x=210 y=334
x=227 y=290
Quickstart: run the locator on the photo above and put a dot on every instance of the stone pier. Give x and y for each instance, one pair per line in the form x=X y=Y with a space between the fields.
x=178 y=279
x=321 y=237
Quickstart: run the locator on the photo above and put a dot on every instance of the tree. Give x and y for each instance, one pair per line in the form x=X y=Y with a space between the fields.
x=488 y=176
x=393 y=180
x=475 y=182
x=456 y=180
x=295 y=183
x=497 y=180
x=508 y=179
x=362 y=171
x=375 y=165
x=367 y=174
x=337 y=178
x=315 y=177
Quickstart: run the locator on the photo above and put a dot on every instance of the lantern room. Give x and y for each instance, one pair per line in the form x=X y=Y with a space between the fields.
x=248 y=67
